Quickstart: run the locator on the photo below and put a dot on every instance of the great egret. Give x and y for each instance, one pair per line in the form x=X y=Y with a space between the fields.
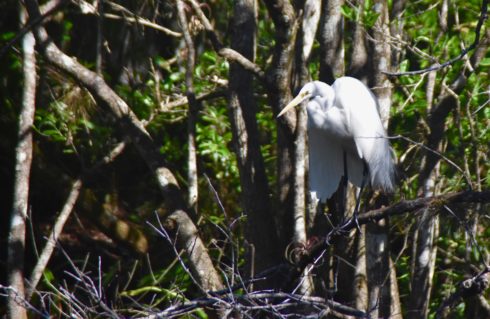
x=345 y=136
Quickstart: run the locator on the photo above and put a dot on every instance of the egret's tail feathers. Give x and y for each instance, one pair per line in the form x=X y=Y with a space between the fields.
x=382 y=166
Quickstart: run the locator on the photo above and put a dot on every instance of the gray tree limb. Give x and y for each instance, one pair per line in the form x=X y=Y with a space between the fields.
x=278 y=85
x=48 y=249
x=23 y=160
x=192 y=179
x=383 y=298
x=332 y=41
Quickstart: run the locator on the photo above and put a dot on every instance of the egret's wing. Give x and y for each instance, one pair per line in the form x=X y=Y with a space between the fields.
x=325 y=164
x=354 y=169
x=366 y=127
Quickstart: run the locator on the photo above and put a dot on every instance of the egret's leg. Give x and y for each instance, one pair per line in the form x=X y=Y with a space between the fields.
x=345 y=182
x=365 y=174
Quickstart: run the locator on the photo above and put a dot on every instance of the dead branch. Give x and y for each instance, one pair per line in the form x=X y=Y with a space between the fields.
x=71 y=200
x=187 y=237
x=127 y=16
x=48 y=10
x=227 y=53
x=406 y=206
x=264 y=302
x=43 y=260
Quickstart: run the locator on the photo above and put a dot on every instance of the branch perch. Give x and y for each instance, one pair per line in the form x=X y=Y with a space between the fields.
x=399 y=208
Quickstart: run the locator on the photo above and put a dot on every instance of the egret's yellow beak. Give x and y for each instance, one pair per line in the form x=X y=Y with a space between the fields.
x=296 y=101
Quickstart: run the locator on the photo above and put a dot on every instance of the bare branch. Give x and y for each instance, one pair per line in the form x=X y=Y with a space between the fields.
x=62 y=218
x=128 y=16
x=47 y=10
x=187 y=237
x=464 y=52
x=43 y=260
x=436 y=153
x=399 y=208
x=227 y=53
x=263 y=301
x=193 y=109
x=134 y=129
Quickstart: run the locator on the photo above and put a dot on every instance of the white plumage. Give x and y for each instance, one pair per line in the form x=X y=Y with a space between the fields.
x=344 y=119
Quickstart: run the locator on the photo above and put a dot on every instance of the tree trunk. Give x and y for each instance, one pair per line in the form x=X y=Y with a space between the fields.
x=242 y=109
x=192 y=179
x=23 y=160
x=279 y=86
x=424 y=260
x=304 y=44
x=331 y=41
x=359 y=56
x=396 y=30
x=377 y=261
x=386 y=303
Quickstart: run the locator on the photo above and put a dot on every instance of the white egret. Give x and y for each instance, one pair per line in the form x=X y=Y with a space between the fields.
x=345 y=136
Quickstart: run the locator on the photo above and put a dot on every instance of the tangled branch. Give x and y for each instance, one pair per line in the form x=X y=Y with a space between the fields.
x=481 y=20
x=308 y=256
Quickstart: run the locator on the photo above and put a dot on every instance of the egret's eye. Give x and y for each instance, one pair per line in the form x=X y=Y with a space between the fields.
x=306 y=95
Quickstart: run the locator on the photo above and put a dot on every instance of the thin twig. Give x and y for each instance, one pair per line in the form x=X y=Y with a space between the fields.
x=425 y=147
x=49 y=9
x=464 y=52
x=163 y=232
x=88 y=8
x=377 y=214
x=227 y=53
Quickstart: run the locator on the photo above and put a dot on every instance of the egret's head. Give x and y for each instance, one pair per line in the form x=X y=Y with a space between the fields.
x=309 y=91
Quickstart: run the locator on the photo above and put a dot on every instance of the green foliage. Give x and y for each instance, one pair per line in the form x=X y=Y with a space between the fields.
x=213 y=140
x=70 y=122
x=368 y=16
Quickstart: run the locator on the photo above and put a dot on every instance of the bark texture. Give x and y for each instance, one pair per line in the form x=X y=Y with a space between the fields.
x=242 y=109
x=23 y=160
x=189 y=240
x=382 y=299
x=192 y=177
x=359 y=55
x=331 y=41
x=279 y=86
